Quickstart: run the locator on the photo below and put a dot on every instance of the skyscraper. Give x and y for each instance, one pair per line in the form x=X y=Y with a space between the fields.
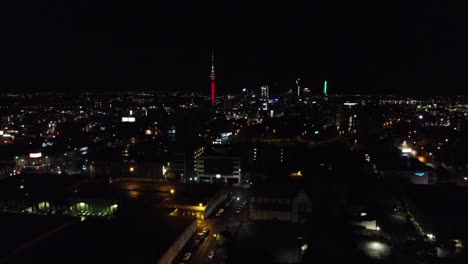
x=265 y=91
x=213 y=78
x=298 y=84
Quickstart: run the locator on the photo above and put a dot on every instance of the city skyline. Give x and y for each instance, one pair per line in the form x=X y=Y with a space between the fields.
x=233 y=132
x=415 y=48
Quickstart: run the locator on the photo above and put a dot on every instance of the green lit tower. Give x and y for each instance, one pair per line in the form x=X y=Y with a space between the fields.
x=325 y=88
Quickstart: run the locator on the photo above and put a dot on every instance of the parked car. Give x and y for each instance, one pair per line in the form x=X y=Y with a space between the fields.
x=186 y=256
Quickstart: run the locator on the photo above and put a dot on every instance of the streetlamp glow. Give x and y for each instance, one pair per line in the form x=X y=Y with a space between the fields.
x=172 y=191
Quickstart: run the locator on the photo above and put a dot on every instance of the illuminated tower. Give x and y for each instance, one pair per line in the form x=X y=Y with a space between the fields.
x=325 y=88
x=213 y=78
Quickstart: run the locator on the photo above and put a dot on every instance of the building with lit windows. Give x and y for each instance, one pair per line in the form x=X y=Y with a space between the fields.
x=219 y=166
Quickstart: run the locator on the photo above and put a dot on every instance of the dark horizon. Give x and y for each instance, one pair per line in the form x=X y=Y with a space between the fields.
x=400 y=48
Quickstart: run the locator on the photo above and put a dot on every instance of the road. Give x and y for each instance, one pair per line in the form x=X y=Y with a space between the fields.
x=216 y=224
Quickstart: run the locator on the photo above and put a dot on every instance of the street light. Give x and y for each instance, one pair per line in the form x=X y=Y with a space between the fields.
x=172 y=191
x=131 y=169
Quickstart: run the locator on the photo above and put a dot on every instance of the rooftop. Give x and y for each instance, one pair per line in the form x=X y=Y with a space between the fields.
x=398 y=161
x=119 y=240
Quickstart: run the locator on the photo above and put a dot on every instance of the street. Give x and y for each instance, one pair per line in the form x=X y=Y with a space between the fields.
x=216 y=224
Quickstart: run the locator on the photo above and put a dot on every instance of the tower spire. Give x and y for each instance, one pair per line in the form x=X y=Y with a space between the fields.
x=212 y=63
x=213 y=78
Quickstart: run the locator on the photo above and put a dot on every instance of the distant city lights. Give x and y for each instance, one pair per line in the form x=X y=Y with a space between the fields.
x=128 y=119
x=35 y=155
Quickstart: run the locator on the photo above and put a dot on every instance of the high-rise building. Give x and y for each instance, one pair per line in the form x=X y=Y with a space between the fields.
x=265 y=91
x=298 y=84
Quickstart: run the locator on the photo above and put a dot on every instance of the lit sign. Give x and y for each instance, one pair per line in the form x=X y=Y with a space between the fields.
x=349 y=104
x=419 y=174
x=406 y=150
x=316 y=132
x=35 y=155
x=128 y=119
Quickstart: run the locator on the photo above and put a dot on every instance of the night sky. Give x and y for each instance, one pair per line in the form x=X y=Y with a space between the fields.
x=372 y=47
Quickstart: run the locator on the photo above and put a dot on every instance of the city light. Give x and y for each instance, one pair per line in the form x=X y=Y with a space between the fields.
x=375 y=245
x=131 y=169
x=296 y=174
x=406 y=150
x=35 y=155
x=128 y=119
x=172 y=191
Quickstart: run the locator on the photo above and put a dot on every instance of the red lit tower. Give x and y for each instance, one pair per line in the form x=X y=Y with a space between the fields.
x=213 y=78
